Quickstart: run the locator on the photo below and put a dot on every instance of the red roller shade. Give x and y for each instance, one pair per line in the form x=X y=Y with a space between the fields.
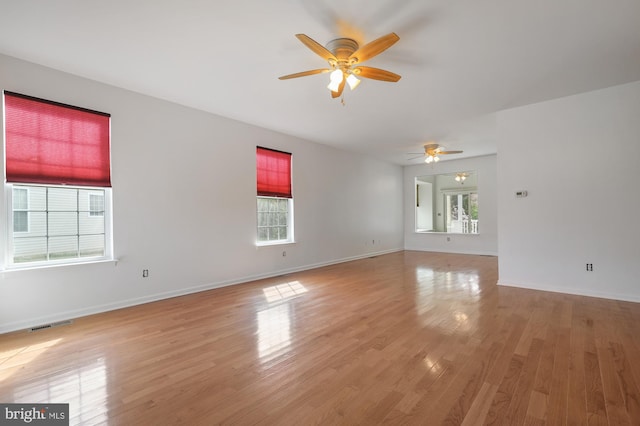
x=274 y=173
x=52 y=143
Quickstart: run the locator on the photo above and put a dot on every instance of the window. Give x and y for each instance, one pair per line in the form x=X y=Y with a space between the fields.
x=20 y=210
x=96 y=205
x=60 y=227
x=274 y=197
x=447 y=202
x=461 y=212
x=58 y=175
x=273 y=219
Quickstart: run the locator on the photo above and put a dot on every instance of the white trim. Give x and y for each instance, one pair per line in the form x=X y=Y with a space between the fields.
x=574 y=291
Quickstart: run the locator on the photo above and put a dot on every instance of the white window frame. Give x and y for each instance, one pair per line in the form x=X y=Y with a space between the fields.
x=290 y=235
x=9 y=248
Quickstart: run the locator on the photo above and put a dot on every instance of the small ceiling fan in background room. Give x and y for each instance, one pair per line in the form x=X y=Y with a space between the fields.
x=432 y=151
x=344 y=56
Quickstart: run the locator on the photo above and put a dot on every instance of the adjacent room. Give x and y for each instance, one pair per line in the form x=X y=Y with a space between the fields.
x=320 y=212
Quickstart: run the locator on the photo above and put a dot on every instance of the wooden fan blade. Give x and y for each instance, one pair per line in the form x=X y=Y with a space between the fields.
x=316 y=47
x=304 y=73
x=374 y=48
x=449 y=152
x=376 y=74
x=340 y=89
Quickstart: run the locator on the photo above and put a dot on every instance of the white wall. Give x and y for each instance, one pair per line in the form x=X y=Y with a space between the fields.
x=184 y=205
x=579 y=159
x=486 y=241
x=424 y=211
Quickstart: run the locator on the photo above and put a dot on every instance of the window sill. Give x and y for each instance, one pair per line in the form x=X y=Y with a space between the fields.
x=274 y=243
x=446 y=233
x=18 y=268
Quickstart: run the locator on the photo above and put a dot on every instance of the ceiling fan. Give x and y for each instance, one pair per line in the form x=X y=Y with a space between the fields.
x=432 y=151
x=344 y=56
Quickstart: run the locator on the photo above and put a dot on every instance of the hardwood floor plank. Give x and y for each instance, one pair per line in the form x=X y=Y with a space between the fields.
x=628 y=386
x=577 y=400
x=520 y=400
x=559 y=386
x=595 y=394
x=615 y=404
x=504 y=395
x=481 y=404
x=403 y=338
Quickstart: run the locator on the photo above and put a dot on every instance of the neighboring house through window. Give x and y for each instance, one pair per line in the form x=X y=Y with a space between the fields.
x=20 y=210
x=96 y=204
x=274 y=197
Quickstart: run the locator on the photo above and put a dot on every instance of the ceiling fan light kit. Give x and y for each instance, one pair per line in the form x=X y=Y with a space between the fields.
x=461 y=177
x=342 y=55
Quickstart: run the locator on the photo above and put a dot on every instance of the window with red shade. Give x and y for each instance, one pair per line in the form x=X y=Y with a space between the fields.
x=274 y=197
x=58 y=176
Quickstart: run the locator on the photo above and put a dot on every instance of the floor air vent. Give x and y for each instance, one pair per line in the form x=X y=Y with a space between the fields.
x=53 y=324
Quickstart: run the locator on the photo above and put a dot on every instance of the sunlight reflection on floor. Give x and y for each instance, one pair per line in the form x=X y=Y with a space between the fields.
x=283 y=291
x=455 y=286
x=83 y=387
x=274 y=331
x=14 y=359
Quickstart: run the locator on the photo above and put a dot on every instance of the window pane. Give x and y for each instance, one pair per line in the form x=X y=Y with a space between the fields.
x=20 y=199
x=95 y=203
x=63 y=199
x=37 y=198
x=29 y=250
x=37 y=225
x=473 y=208
x=63 y=247
x=262 y=219
x=92 y=245
x=63 y=223
x=273 y=219
x=282 y=233
x=20 y=221
x=90 y=224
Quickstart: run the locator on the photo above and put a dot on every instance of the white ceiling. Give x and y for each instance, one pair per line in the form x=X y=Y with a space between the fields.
x=460 y=61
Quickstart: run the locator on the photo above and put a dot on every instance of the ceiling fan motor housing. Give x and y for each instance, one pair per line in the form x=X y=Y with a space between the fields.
x=342 y=48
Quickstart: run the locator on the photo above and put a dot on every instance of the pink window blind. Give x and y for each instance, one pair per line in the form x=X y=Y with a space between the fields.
x=274 y=173
x=52 y=143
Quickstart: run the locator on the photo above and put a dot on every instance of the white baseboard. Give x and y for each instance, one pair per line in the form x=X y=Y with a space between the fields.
x=77 y=313
x=440 y=250
x=575 y=292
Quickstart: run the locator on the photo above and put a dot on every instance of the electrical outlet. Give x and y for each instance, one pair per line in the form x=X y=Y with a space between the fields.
x=590 y=267
x=145 y=273
x=284 y=254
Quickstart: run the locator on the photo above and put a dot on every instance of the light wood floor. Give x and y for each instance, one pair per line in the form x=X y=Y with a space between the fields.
x=405 y=338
